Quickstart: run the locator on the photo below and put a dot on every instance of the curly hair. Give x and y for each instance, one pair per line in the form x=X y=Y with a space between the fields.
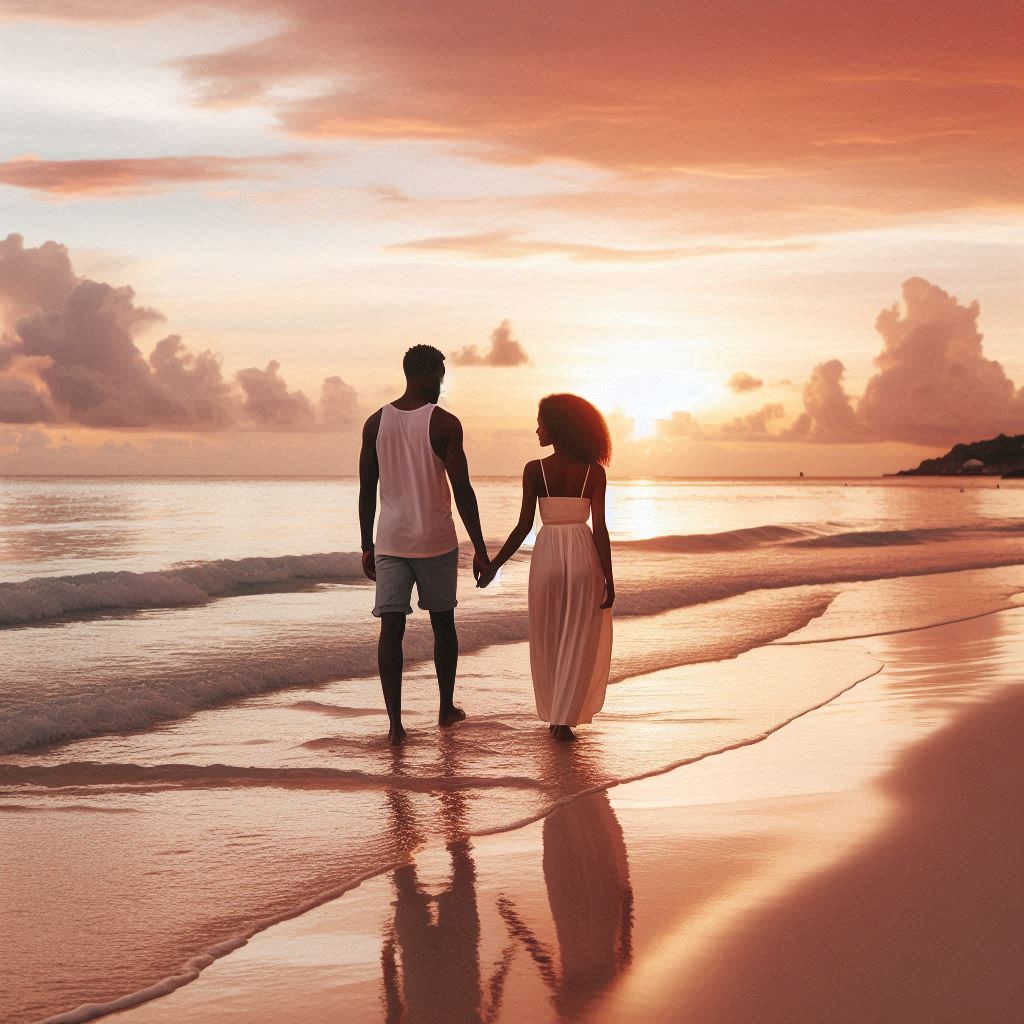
x=422 y=359
x=577 y=428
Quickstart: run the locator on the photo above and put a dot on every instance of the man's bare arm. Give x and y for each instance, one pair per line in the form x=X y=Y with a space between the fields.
x=369 y=474
x=458 y=473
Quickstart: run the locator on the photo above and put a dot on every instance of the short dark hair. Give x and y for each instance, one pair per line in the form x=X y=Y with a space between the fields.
x=577 y=428
x=422 y=359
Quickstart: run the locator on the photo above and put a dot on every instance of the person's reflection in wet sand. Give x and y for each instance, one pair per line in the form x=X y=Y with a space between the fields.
x=586 y=872
x=430 y=958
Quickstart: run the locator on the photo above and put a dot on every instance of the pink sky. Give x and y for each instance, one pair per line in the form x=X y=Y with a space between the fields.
x=762 y=237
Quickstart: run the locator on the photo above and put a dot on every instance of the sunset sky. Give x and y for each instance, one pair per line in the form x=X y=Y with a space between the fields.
x=753 y=233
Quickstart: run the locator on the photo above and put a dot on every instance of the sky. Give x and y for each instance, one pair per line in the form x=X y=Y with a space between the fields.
x=763 y=237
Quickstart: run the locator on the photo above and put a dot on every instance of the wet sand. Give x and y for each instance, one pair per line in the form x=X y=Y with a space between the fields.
x=863 y=863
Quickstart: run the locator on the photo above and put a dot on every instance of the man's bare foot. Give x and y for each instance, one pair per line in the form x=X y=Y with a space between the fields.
x=396 y=735
x=451 y=716
x=563 y=733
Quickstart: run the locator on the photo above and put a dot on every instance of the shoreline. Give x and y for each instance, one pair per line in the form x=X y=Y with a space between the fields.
x=515 y=477
x=260 y=979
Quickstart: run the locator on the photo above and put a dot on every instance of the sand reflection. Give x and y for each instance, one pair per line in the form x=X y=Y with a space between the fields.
x=586 y=872
x=430 y=957
x=431 y=950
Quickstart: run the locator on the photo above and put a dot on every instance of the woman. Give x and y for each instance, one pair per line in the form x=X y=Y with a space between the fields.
x=571 y=585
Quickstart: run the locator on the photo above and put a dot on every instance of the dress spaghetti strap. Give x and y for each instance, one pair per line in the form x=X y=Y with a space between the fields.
x=547 y=493
x=585 y=479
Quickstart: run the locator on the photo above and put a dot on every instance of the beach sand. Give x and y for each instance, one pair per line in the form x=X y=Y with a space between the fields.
x=861 y=864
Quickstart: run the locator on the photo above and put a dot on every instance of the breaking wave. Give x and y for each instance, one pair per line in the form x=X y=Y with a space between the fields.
x=48 y=597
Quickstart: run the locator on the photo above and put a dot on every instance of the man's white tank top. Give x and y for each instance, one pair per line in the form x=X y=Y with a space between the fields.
x=415 y=502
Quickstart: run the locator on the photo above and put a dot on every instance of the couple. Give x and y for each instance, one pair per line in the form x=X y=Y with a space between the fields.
x=408 y=448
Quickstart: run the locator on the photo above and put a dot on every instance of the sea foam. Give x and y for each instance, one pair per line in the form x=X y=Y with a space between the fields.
x=48 y=597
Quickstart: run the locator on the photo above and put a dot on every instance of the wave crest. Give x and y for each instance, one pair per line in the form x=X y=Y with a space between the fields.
x=48 y=597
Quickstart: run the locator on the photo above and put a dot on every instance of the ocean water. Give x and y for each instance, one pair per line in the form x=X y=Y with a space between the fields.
x=191 y=730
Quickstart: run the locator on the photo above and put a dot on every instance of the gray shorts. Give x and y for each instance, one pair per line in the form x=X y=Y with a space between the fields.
x=435 y=578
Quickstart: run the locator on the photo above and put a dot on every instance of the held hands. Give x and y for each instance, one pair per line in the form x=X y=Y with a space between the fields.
x=609 y=594
x=487 y=576
x=481 y=565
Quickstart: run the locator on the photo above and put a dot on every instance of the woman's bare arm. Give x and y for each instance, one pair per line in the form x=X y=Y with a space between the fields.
x=522 y=529
x=601 y=539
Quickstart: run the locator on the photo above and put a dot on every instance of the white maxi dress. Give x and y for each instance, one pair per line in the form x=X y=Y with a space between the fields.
x=570 y=634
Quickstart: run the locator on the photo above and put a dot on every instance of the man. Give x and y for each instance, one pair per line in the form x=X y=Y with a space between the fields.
x=408 y=446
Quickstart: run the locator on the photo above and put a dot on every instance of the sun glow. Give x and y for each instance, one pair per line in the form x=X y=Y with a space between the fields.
x=650 y=393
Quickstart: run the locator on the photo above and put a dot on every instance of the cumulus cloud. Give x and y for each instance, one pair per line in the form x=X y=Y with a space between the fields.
x=93 y=369
x=753 y=425
x=679 y=425
x=269 y=403
x=934 y=384
x=69 y=353
x=339 y=403
x=20 y=402
x=8 y=350
x=39 y=278
x=197 y=380
x=742 y=381
x=683 y=425
x=35 y=441
x=505 y=350
x=828 y=412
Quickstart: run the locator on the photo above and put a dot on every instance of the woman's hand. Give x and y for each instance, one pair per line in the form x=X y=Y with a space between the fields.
x=609 y=594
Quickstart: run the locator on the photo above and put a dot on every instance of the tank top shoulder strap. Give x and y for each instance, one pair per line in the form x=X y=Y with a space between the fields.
x=585 y=479
x=544 y=476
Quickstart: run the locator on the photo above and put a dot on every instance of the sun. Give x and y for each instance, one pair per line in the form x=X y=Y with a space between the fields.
x=649 y=394
x=644 y=426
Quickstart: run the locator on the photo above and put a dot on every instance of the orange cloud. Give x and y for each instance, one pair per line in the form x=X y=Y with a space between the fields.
x=753 y=425
x=742 y=381
x=828 y=411
x=130 y=176
x=512 y=245
x=505 y=350
x=871 y=96
x=877 y=107
x=934 y=384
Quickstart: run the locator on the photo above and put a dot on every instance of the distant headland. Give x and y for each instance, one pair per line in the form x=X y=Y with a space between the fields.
x=1000 y=456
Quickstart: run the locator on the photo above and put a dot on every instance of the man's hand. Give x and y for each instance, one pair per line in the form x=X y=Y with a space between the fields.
x=369 y=565
x=480 y=564
x=609 y=595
